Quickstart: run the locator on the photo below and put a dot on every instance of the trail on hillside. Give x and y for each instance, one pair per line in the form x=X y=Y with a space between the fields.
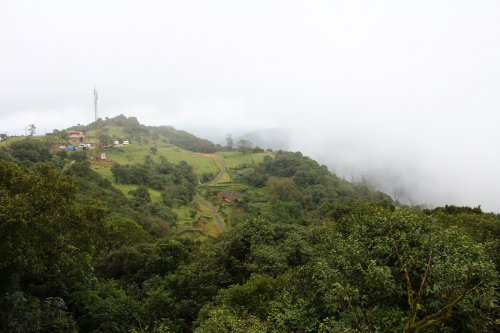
x=213 y=209
x=203 y=202
x=219 y=162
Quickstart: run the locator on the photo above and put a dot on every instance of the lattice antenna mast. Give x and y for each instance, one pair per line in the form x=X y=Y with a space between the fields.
x=97 y=143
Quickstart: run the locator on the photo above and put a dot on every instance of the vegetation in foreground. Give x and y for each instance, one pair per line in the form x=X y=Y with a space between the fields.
x=305 y=251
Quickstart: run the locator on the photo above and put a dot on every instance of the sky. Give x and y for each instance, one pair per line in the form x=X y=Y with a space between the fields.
x=404 y=94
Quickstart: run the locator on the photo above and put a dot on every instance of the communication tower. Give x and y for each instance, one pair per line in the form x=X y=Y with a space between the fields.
x=97 y=143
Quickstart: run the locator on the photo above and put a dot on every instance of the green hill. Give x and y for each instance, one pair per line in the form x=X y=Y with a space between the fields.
x=122 y=128
x=171 y=233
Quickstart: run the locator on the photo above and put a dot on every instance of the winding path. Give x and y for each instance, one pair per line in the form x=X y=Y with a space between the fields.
x=203 y=202
x=213 y=210
x=219 y=162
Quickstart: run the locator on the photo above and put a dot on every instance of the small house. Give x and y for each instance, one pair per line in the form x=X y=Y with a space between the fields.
x=230 y=196
x=75 y=136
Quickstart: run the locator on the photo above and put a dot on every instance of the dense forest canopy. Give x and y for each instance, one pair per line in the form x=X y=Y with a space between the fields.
x=89 y=246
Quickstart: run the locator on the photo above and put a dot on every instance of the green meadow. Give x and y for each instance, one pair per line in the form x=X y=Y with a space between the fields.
x=134 y=153
x=236 y=159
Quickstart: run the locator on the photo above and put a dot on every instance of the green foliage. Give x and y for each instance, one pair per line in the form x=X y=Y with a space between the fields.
x=176 y=181
x=207 y=176
x=251 y=297
x=227 y=321
x=140 y=196
x=79 y=155
x=185 y=140
x=354 y=278
x=47 y=241
x=21 y=312
x=30 y=150
x=44 y=234
x=123 y=231
x=164 y=212
x=316 y=181
x=123 y=128
x=450 y=209
x=166 y=257
x=105 y=308
x=283 y=189
x=308 y=253
x=438 y=268
x=256 y=179
x=92 y=187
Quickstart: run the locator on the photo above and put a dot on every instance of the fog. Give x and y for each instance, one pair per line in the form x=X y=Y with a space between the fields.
x=403 y=94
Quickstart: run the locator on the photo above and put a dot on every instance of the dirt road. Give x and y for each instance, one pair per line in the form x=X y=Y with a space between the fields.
x=203 y=202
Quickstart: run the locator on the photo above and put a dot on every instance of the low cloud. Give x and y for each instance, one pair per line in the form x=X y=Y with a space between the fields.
x=402 y=94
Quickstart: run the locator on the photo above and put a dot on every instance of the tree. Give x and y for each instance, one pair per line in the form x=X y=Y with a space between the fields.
x=105 y=140
x=140 y=196
x=442 y=271
x=229 y=142
x=207 y=176
x=46 y=237
x=31 y=129
x=122 y=230
x=244 y=146
x=3 y=136
x=30 y=150
x=283 y=189
x=106 y=308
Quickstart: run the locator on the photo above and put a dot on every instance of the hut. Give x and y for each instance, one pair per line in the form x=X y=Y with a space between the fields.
x=230 y=196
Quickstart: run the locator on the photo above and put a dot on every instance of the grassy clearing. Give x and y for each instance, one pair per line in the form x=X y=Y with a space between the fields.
x=49 y=139
x=115 y=132
x=133 y=153
x=235 y=159
x=210 y=229
x=186 y=223
x=225 y=179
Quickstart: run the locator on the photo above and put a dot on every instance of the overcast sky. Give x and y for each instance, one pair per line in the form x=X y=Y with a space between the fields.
x=406 y=93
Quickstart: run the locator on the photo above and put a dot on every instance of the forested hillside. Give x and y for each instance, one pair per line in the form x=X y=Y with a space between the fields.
x=163 y=239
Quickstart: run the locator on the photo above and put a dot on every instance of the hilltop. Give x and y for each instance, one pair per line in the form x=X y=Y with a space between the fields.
x=122 y=128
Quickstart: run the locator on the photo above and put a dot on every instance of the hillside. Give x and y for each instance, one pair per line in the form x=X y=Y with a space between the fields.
x=122 y=128
x=171 y=233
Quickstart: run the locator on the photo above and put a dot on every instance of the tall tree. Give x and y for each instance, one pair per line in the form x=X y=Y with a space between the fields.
x=229 y=142
x=244 y=146
x=32 y=129
x=45 y=236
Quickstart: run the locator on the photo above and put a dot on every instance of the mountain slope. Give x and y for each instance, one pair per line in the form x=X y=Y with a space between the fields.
x=122 y=128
